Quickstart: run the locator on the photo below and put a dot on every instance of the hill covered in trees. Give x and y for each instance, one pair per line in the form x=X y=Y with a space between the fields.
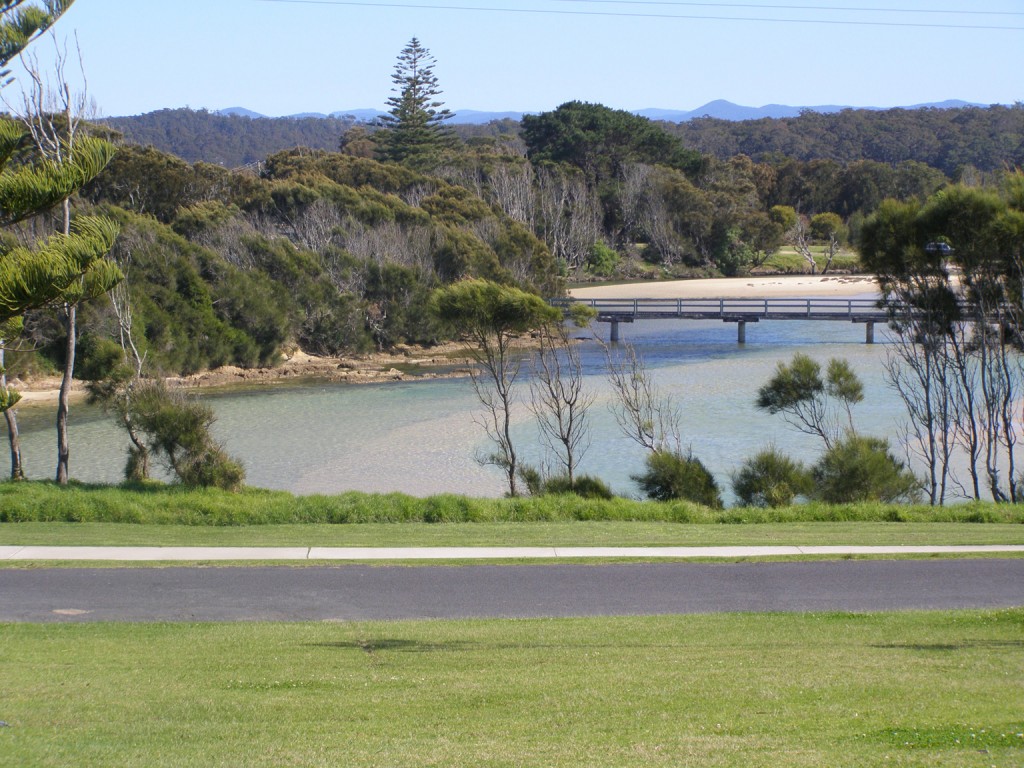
x=227 y=140
x=951 y=140
x=984 y=138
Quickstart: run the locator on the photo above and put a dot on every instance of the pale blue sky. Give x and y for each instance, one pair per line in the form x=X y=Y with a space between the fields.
x=281 y=57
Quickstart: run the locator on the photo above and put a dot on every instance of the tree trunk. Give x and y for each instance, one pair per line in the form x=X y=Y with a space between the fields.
x=14 y=437
x=63 y=448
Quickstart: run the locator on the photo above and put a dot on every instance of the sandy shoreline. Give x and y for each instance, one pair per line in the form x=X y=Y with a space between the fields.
x=412 y=363
x=775 y=286
x=402 y=364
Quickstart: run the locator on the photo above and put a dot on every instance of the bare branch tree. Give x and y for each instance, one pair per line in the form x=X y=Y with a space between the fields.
x=118 y=391
x=644 y=414
x=559 y=399
x=569 y=214
x=511 y=185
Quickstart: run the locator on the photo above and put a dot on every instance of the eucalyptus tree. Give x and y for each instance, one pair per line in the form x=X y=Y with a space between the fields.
x=414 y=133
x=951 y=271
x=559 y=397
x=490 y=317
x=812 y=404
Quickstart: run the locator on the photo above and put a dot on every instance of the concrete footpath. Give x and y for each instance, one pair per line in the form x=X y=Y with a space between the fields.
x=205 y=554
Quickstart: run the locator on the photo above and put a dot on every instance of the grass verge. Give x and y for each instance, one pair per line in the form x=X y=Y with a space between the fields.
x=907 y=689
x=540 y=534
x=156 y=504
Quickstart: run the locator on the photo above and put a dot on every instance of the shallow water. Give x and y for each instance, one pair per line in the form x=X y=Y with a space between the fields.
x=421 y=438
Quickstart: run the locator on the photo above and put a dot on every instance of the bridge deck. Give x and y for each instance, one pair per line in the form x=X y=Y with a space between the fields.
x=739 y=311
x=733 y=310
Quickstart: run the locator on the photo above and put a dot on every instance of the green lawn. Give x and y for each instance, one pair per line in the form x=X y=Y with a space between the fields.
x=787 y=259
x=561 y=534
x=902 y=689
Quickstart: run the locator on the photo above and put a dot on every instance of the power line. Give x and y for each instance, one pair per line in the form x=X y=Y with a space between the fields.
x=624 y=14
x=796 y=7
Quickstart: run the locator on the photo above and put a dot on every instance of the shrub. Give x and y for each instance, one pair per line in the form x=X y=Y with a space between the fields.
x=176 y=428
x=671 y=475
x=863 y=469
x=585 y=486
x=771 y=479
x=602 y=260
x=211 y=467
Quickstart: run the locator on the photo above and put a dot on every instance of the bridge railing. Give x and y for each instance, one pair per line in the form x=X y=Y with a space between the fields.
x=765 y=308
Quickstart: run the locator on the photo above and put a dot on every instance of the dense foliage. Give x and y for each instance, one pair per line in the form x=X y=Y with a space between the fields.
x=336 y=252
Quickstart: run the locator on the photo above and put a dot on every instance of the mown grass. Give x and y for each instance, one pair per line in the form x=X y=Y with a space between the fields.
x=906 y=689
x=172 y=505
x=538 y=534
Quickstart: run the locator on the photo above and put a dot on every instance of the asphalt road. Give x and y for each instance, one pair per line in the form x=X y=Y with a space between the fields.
x=358 y=592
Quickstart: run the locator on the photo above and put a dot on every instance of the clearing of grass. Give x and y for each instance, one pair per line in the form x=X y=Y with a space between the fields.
x=907 y=689
x=788 y=260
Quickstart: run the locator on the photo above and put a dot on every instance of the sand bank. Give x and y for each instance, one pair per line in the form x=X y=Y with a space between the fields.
x=790 y=286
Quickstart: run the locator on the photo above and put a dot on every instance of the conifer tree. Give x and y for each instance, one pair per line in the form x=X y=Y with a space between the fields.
x=67 y=265
x=414 y=133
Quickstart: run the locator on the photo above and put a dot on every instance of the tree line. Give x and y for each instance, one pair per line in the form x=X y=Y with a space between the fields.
x=955 y=141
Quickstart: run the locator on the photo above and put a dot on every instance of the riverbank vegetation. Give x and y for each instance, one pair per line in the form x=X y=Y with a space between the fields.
x=714 y=690
x=157 y=504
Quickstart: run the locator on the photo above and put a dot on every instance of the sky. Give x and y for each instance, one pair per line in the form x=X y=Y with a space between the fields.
x=283 y=57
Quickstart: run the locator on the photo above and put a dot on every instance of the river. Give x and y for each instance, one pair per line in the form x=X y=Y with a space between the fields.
x=420 y=437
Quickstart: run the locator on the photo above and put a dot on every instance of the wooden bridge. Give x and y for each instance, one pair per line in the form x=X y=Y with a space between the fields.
x=739 y=311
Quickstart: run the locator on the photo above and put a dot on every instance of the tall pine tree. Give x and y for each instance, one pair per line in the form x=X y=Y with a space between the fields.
x=414 y=133
x=69 y=264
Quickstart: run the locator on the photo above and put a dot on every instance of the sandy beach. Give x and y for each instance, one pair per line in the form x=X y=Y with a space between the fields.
x=790 y=286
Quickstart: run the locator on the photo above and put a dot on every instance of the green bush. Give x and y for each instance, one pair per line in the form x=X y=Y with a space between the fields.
x=602 y=260
x=671 y=475
x=176 y=428
x=863 y=469
x=584 y=486
x=771 y=479
x=210 y=467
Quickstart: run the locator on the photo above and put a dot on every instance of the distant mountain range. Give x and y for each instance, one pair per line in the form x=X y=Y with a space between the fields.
x=721 y=109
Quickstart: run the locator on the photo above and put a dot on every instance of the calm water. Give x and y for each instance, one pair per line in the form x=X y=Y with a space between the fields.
x=421 y=438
